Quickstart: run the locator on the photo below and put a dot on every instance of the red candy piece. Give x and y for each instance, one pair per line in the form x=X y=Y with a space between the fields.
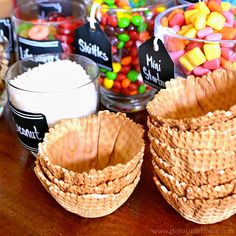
x=112 y=21
x=65 y=38
x=192 y=45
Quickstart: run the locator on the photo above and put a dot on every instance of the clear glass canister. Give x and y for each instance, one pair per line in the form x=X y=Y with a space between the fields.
x=47 y=26
x=127 y=24
x=4 y=61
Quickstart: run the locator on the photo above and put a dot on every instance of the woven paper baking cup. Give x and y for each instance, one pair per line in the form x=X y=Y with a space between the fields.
x=109 y=187
x=89 y=205
x=199 y=210
x=212 y=177
x=189 y=191
x=76 y=151
x=194 y=160
x=194 y=102
x=193 y=139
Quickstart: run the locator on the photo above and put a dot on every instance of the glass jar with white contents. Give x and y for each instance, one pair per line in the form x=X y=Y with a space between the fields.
x=47 y=88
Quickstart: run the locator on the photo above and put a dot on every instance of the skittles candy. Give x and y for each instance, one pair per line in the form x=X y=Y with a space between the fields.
x=127 y=24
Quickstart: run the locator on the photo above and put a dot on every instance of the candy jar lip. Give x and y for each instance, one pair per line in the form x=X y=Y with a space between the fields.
x=160 y=30
x=16 y=11
x=139 y=9
x=62 y=56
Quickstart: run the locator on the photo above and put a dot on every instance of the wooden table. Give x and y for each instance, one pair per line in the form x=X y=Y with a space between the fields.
x=27 y=209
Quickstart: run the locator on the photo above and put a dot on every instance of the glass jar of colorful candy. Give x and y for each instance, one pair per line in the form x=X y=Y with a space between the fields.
x=127 y=24
x=47 y=26
x=199 y=37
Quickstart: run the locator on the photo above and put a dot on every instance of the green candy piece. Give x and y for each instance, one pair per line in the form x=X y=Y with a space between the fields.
x=132 y=75
x=123 y=37
x=137 y=20
x=24 y=33
x=123 y=22
x=141 y=88
x=103 y=70
x=111 y=75
x=120 y=45
x=23 y=27
x=109 y=2
x=51 y=37
x=142 y=27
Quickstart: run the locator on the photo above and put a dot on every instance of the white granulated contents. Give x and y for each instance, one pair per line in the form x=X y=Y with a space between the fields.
x=59 y=90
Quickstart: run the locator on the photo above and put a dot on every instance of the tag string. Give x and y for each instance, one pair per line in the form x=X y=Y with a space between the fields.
x=155 y=44
x=92 y=17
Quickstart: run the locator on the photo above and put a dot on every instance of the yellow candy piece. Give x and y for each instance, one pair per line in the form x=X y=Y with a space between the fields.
x=225 y=6
x=202 y=7
x=98 y=1
x=234 y=64
x=185 y=29
x=192 y=59
x=108 y=83
x=212 y=50
x=104 y=8
x=116 y=67
x=160 y=9
x=215 y=20
x=188 y=15
x=200 y=21
x=191 y=33
x=185 y=63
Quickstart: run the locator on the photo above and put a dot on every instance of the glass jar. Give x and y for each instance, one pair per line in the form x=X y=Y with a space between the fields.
x=196 y=55
x=6 y=28
x=4 y=61
x=47 y=26
x=38 y=102
x=127 y=27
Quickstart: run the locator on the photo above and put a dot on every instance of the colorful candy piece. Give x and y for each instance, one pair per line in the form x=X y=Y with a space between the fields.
x=212 y=50
x=192 y=59
x=200 y=71
x=38 y=32
x=212 y=64
x=202 y=7
x=215 y=20
x=204 y=32
x=216 y=37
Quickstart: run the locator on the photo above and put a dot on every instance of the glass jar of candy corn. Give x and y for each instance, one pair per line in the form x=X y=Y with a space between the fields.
x=127 y=24
x=47 y=26
x=199 y=37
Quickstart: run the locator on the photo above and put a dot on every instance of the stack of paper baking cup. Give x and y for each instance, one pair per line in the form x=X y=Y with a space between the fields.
x=192 y=129
x=91 y=165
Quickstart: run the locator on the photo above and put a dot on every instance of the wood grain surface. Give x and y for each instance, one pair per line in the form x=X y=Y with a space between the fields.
x=27 y=209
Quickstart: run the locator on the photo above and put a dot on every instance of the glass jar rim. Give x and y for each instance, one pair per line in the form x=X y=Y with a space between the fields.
x=32 y=4
x=170 y=32
x=93 y=78
x=136 y=9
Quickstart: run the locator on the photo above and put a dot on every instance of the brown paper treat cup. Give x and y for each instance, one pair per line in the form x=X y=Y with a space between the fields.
x=193 y=139
x=211 y=177
x=183 y=189
x=194 y=102
x=93 y=150
x=194 y=160
x=87 y=205
x=200 y=211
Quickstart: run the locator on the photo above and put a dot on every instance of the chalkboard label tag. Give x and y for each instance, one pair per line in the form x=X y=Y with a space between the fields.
x=30 y=127
x=155 y=63
x=94 y=44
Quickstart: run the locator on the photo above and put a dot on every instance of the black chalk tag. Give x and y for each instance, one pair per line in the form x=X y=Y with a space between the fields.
x=94 y=44
x=47 y=7
x=6 y=30
x=30 y=127
x=156 y=65
x=28 y=47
